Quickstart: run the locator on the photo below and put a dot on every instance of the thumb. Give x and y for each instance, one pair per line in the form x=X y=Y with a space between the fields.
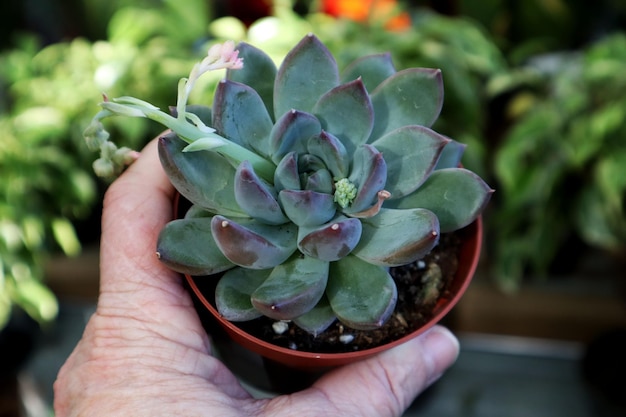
x=385 y=385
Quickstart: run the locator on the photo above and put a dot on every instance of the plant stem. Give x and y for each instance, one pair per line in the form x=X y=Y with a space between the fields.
x=189 y=133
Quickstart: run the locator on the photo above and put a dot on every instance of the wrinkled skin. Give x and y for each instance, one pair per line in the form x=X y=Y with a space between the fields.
x=145 y=353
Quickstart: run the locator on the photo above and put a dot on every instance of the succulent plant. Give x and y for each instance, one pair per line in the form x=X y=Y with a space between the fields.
x=309 y=184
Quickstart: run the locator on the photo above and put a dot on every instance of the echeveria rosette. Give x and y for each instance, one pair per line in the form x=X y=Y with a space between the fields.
x=361 y=183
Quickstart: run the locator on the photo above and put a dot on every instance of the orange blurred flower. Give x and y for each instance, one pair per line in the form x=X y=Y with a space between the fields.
x=387 y=11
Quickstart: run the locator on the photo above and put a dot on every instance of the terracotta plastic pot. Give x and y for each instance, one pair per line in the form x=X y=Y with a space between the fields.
x=468 y=261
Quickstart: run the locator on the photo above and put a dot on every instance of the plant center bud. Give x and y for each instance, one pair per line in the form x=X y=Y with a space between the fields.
x=345 y=192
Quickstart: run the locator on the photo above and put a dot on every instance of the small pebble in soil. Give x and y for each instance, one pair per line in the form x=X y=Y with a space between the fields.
x=420 y=264
x=280 y=327
x=346 y=338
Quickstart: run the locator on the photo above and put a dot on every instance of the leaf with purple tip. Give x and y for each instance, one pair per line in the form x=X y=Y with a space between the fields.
x=234 y=290
x=411 y=154
x=292 y=288
x=451 y=155
x=187 y=246
x=373 y=70
x=457 y=196
x=320 y=181
x=410 y=97
x=318 y=319
x=291 y=133
x=331 y=241
x=251 y=244
x=286 y=175
x=332 y=151
x=362 y=295
x=256 y=197
x=188 y=172
x=398 y=237
x=308 y=71
x=258 y=72
x=346 y=111
x=239 y=115
x=306 y=207
x=369 y=174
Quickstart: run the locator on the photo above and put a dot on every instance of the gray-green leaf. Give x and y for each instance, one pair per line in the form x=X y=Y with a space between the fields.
x=410 y=97
x=373 y=70
x=233 y=292
x=251 y=244
x=411 y=154
x=292 y=289
x=457 y=196
x=188 y=172
x=318 y=319
x=398 y=237
x=187 y=246
x=231 y=101
x=308 y=71
x=346 y=112
x=258 y=72
x=362 y=295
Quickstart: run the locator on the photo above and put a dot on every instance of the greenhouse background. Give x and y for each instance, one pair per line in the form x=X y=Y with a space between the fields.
x=535 y=89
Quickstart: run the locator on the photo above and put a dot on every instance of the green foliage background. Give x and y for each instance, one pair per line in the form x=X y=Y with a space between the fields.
x=534 y=88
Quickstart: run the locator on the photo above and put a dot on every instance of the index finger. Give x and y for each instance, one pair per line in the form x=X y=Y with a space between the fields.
x=136 y=207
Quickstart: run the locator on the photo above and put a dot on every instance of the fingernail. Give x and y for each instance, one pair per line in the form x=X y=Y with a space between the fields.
x=442 y=348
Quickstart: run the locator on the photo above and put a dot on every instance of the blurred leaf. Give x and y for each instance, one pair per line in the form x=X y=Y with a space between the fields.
x=5 y=308
x=134 y=25
x=65 y=235
x=36 y=299
x=611 y=179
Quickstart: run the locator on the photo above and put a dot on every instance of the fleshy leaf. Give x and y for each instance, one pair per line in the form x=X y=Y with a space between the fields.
x=331 y=241
x=410 y=97
x=286 y=175
x=369 y=174
x=208 y=143
x=308 y=71
x=203 y=112
x=251 y=244
x=188 y=172
x=256 y=197
x=291 y=133
x=292 y=289
x=196 y=211
x=259 y=72
x=451 y=155
x=233 y=292
x=347 y=112
x=187 y=246
x=330 y=150
x=320 y=181
x=363 y=296
x=411 y=153
x=398 y=237
x=373 y=70
x=457 y=196
x=317 y=319
x=234 y=99
x=307 y=208
x=308 y=163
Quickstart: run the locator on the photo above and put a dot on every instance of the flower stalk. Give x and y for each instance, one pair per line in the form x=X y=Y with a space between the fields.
x=187 y=125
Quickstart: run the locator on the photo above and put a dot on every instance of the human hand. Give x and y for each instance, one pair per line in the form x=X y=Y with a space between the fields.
x=144 y=351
